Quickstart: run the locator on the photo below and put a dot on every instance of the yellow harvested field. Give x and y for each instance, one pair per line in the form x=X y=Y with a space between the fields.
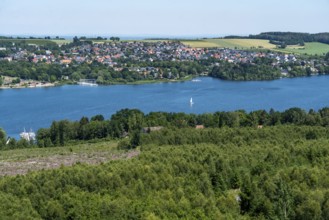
x=231 y=43
x=62 y=41
x=199 y=43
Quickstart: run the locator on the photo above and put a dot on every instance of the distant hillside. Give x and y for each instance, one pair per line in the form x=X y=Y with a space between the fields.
x=291 y=38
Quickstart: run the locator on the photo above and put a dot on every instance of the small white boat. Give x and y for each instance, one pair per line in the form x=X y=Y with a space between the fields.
x=196 y=80
x=191 y=101
x=87 y=84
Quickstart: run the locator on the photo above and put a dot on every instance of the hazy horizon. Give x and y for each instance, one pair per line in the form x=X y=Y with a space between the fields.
x=145 y=18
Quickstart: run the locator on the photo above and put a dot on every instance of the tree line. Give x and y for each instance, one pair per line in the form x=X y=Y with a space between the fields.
x=130 y=122
x=292 y=38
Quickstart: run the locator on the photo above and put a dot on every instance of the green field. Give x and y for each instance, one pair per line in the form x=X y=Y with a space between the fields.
x=309 y=48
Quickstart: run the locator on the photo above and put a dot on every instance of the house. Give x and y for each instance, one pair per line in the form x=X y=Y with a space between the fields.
x=150 y=129
x=67 y=61
x=199 y=127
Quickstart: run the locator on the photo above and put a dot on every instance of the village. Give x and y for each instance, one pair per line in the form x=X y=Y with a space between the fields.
x=110 y=52
x=116 y=54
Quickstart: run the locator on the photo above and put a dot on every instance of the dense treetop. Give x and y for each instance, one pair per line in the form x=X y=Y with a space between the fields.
x=292 y=38
x=277 y=172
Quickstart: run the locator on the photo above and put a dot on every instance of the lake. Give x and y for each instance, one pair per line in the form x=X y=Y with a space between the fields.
x=38 y=107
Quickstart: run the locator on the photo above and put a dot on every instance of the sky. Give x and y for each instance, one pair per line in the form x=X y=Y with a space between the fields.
x=201 y=18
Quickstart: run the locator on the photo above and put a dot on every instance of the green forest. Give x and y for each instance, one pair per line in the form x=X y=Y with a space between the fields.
x=276 y=172
x=239 y=165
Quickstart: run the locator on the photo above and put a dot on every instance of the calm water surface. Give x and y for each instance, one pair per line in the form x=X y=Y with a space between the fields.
x=36 y=108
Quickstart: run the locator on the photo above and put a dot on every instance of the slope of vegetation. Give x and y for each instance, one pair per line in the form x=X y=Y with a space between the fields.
x=243 y=72
x=309 y=48
x=277 y=172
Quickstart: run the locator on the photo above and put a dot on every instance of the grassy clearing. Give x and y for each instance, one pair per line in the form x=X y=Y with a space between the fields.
x=309 y=48
x=87 y=148
x=22 y=161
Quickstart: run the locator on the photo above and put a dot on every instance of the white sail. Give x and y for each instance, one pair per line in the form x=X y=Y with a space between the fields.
x=191 y=101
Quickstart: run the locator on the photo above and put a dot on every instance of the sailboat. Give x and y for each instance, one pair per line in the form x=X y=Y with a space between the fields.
x=191 y=101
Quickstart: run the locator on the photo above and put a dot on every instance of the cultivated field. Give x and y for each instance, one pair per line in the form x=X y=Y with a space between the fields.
x=200 y=43
x=60 y=42
x=231 y=43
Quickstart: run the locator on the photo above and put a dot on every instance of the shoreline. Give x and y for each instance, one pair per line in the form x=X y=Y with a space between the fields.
x=143 y=82
x=140 y=82
x=29 y=86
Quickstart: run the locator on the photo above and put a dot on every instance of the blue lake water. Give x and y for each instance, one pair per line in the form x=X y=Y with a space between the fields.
x=38 y=107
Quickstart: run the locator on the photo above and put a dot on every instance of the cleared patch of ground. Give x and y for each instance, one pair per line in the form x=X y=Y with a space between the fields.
x=21 y=161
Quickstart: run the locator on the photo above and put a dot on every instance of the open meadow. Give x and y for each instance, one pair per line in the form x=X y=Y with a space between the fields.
x=309 y=48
